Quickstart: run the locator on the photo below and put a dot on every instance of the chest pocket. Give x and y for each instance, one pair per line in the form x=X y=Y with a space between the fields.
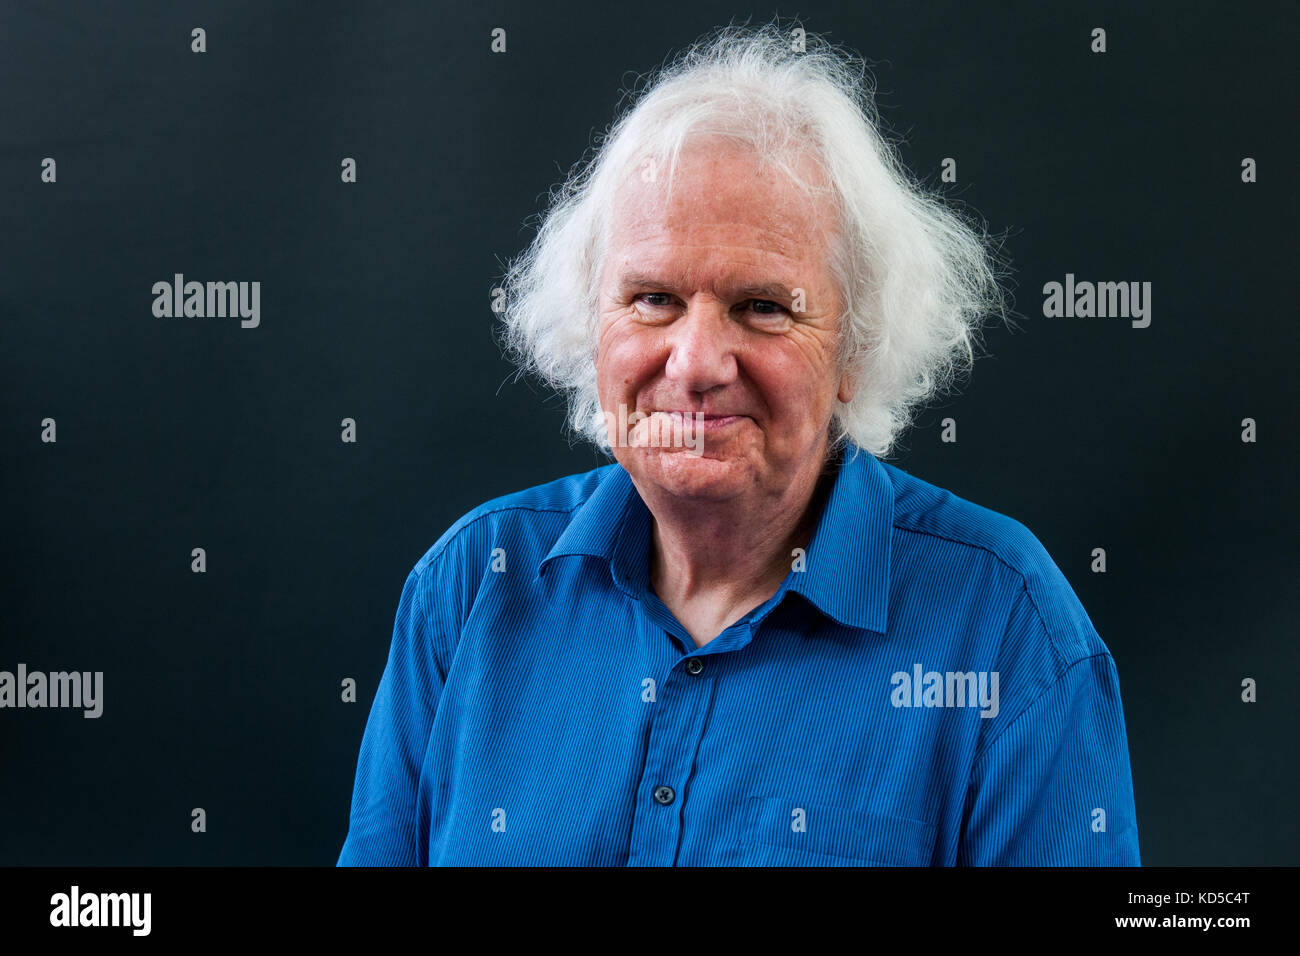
x=781 y=831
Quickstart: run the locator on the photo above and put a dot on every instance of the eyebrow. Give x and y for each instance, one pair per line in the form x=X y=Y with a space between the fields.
x=634 y=279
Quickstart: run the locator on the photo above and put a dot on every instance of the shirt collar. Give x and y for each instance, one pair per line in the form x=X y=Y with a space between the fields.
x=846 y=574
x=613 y=524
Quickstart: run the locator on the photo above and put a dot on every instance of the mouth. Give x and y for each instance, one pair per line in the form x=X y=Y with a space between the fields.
x=701 y=421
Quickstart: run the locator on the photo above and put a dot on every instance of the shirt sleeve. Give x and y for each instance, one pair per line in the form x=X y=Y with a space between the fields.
x=1054 y=788
x=383 y=828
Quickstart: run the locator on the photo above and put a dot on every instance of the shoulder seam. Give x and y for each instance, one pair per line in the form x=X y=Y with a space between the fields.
x=436 y=555
x=457 y=527
x=970 y=544
x=1024 y=581
x=1032 y=701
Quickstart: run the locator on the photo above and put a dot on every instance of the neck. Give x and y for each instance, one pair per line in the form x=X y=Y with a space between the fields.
x=736 y=553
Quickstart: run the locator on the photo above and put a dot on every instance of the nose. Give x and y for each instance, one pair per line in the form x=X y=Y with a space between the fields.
x=702 y=346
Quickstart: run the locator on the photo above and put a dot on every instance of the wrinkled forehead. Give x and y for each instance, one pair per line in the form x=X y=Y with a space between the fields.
x=722 y=192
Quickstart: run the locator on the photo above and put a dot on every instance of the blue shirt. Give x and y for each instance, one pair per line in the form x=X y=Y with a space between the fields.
x=923 y=689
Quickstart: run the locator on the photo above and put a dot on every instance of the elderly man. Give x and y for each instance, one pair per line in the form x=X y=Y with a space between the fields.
x=754 y=643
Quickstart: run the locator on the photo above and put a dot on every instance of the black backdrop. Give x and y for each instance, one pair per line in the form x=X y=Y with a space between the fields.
x=222 y=689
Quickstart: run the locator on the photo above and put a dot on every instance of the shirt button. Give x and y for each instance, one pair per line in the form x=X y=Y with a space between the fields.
x=694 y=665
x=664 y=795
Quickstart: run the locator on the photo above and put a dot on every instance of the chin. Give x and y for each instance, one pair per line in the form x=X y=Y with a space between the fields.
x=680 y=472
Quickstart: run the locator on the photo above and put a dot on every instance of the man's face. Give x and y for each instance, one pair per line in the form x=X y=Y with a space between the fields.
x=699 y=312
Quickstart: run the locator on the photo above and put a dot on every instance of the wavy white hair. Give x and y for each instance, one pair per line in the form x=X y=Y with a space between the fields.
x=915 y=280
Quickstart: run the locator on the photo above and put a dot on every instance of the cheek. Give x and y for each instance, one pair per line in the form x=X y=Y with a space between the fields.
x=627 y=361
x=794 y=382
x=786 y=378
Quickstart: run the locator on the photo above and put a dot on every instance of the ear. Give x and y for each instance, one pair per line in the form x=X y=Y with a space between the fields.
x=848 y=387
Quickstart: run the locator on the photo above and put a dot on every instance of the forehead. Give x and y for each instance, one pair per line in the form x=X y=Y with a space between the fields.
x=724 y=204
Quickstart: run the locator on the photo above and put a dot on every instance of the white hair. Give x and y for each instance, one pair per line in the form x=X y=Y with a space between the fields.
x=914 y=279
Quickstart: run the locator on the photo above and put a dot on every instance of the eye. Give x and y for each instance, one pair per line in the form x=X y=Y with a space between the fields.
x=768 y=316
x=655 y=308
x=766 y=313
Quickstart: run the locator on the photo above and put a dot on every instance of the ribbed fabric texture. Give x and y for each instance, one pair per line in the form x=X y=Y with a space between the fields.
x=541 y=706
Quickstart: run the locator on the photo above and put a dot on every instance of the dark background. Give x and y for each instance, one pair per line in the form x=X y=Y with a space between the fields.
x=222 y=690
